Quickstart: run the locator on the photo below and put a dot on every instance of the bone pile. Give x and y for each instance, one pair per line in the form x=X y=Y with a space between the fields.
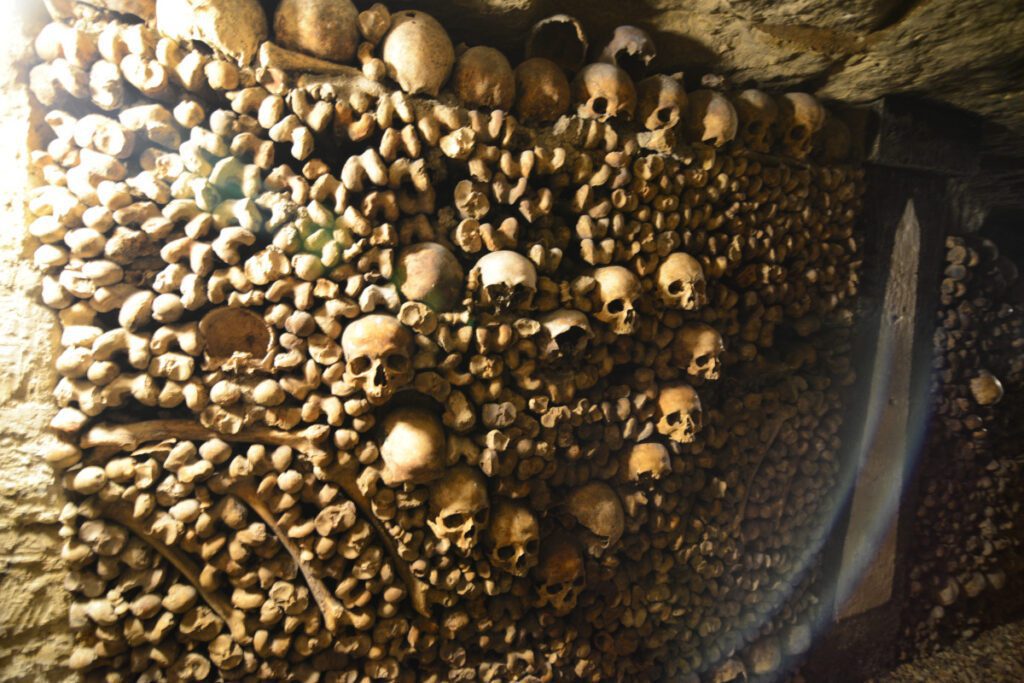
x=386 y=361
x=967 y=540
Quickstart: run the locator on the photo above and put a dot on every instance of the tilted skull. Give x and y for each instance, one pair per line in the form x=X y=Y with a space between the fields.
x=648 y=461
x=757 y=112
x=430 y=273
x=597 y=508
x=564 y=335
x=232 y=27
x=630 y=49
x=508 y=280
x=679 y=413
x=711 y=118
x=514 y=537
x=378 y=356
x=483 y=78
x=459 y=508
x=603 y=91
x=617 y=292
x=800 y=117
x=418 y=52
x=681 y=282
x=413 y=449
x=699 y=347
x=661 y=102
x=542 y=90
x=561 y=574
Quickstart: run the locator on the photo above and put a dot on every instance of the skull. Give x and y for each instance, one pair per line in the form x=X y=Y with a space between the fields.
x=542 y=90
x=603 y=91
x=699 y=347
x=514 y=537
x=328 y=29
x=681 y=282
x=235 y=339
x=418 y=53
x=662 y=102
x=647 y=461
x=711 y=118
x=561 y=573
x=378 y=352
x=483 y=78
x=679 y=413
x=508 y=280
x=833 y=142
x=413 y=450
x=232 y=27
x=597 y=508
x=565 y=335
x=560 y=39
x=430 y=273
x=630 y=49
x=986 y=388
x=617 y=291
x=800 y=117
x=757 y=112
x=459 y=507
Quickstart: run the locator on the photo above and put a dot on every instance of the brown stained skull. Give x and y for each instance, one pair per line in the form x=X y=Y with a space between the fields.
x=542 y=90
x=459 y=507
x=710 y=118
x=418 y=53
x=483 y=78
x=508 y=281
x=429 y=272
x=699 y=348
x=514 y=538
x=681 y=283
x=617 y=292
x=597 y=508
x=603 y=91
x=679 y=413
x=378 y=356
x=561 y=574
x=648 y=461
x=800 y=117
x=235 y=339
x=413 y=449
x=328 y=29
x=661 y=102
x=565 y=334
x=757 y=112
x=630 y=49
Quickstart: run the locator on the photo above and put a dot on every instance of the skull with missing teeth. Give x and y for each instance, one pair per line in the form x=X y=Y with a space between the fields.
x=699 y=347
x=681 y=282
x=679 y=413
x=565 y=334
x=561 y=573
x=378 y=350
x=459 y=508
x=617 y=291
x=514 y=537
x=508 y=281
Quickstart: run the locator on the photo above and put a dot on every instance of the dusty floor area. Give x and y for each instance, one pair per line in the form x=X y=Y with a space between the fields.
x=997 y=656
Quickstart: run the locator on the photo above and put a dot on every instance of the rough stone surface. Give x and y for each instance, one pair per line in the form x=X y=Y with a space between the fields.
x=34 y=637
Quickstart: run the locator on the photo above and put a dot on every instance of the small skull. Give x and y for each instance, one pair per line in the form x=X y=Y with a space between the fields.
x=430 y=273
x=699 y=347
x=597 y=508
x=378 y=356
x=800 y=117
x=711 y=118
x=565 y=334
x=561 y=573
x=459 y=508
x=542 y=90
x=514 y=537
x=483 y=78
x=648 y=461
x=418 y=53
x=630 y=49
x=413 y=449
x=679 y=413
x=508 y=280
x=681 y=282
x=617 y=292
x=757 y=112
x=661 y=102
x=603 y=91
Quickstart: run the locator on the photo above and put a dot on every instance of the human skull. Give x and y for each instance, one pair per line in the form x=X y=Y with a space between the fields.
x=617 y=292
x=378 y=356
x=542 y=90
x=483 y=78
x=630 y=49
x=597 y=508
x=647 y=461
x=681 y=282
x=508 y=280
x=679 y=413
x=413 y=449
x=418 y=52
x=459 y=508
x=602 y=91
x=514 y=537
x=661 y=102
x=430 y=273
x=232 y=27
x=561 y=574
x=328 y=29
x=757 y=112
x=986 y=388
x=800 y=117
x=234 y=339
x=565 y=334
x=559 y=38
x=699 y=347
x=710 y=118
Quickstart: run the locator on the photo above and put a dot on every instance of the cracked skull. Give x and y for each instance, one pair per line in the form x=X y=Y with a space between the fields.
x=378 y=350
x=617 y=292
x=413 y=449
x=699 y=347
x=508 y=280
x=459 y=508
x=514 y=537
x=597 y=508
x=603 y=91
x=679 y=413
x=681 y=282
x=561 y=573
x=630 y=49
x=565 y=334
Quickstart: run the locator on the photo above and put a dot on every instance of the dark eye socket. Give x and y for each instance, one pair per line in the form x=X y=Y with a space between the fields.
x=665 y=114
x=480 y=517
x=616 y=306
x=676 y=287
x=600 y=105
x=674 y=418
x=396 y=361
x=755 y=127
x=702 y=360
x=555 y=588
x=455 y=519
x=506 y=552
x=531 y=547
x=798 y=132
x=360 y=365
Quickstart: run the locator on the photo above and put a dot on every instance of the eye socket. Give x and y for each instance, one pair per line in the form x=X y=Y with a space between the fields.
x=755 y=127
x=702 y=360
x=532 y=547
x=360 y=364
x=554 y=588
x=396 y=362
x=675 y=287
x=505 y=552
x=480 y=517
x=798 y=132
x=616 y=306
x=456 y=519
x=664 y=115
x=674 y=418
x=599 y=105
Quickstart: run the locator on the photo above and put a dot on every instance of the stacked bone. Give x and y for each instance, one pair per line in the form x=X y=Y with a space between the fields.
x=967 y=540
x=359 y=383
